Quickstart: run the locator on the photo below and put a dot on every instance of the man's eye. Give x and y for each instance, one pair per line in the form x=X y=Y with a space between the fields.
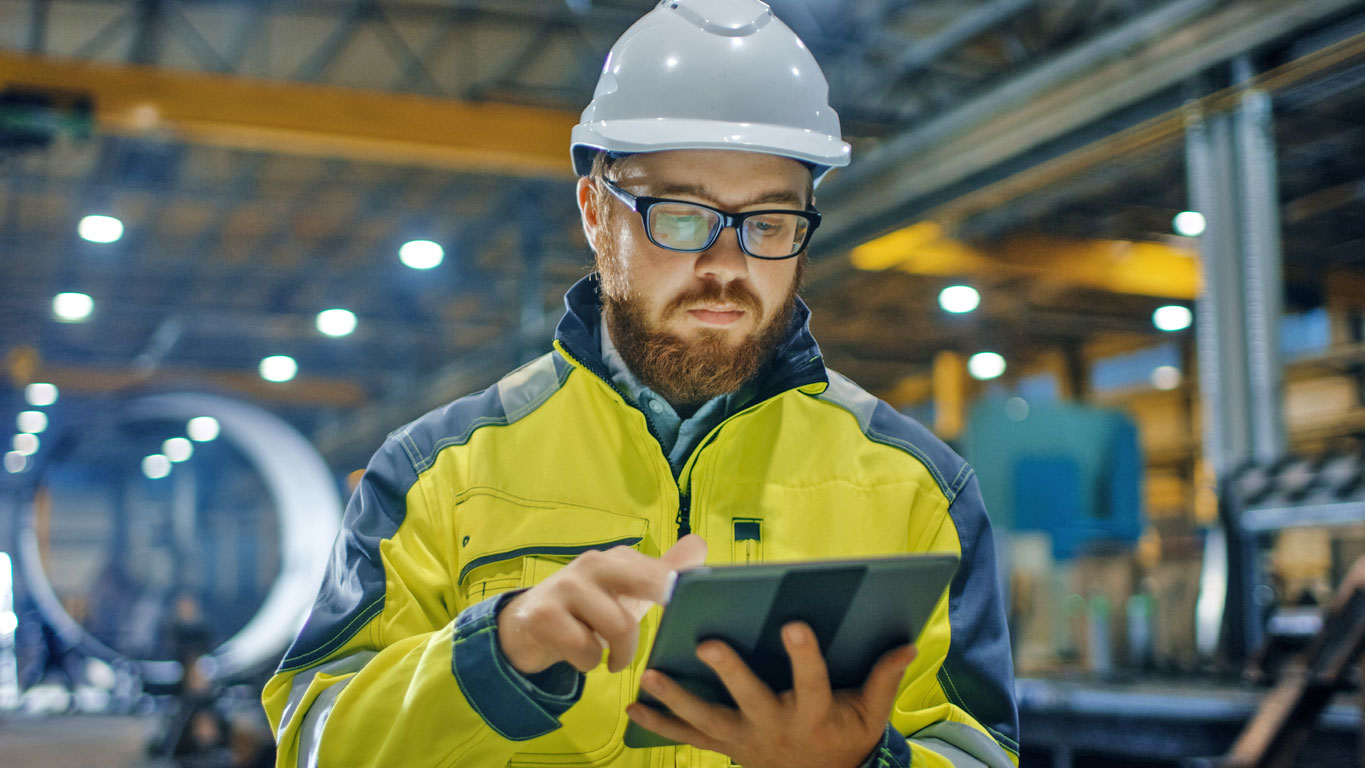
x=680 y=227
x=768 y=226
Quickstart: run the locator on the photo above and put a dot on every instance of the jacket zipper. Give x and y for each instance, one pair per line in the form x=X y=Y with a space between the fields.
x=684 y=517
x=684 y=520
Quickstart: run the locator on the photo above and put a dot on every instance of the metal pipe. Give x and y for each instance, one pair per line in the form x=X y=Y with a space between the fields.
x=1221 y=333
x=1258 y=195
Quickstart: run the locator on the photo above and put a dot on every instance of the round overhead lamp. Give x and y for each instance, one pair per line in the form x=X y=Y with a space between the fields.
x=1172 y=318
x=25 y=443
x=32 y=422
x=1166 y=377
x=15 y=462
x=1189 y=223
x=156 y=466
x=72 y=307
x=40 y=394
x=279 y=368
x=984 y=366
x=421 y=254
x=959 y=299
x=202 y=429
x=100 y=229
x=177 y=449
x=336 y=322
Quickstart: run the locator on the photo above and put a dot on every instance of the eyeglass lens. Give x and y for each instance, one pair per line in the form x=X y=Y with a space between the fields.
x=689 y=228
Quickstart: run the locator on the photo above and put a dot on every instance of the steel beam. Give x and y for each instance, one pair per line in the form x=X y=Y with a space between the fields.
x=1220 y=331
x=1142 y=269
x=1263 y=271
x=1115 y=70
x=962 y=30
x=309 y=119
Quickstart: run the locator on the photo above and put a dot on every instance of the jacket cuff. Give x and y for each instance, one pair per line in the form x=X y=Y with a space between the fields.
x=515 y=706
x=893 y=751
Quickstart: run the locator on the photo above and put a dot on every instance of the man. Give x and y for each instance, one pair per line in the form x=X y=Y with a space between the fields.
x=483 y=605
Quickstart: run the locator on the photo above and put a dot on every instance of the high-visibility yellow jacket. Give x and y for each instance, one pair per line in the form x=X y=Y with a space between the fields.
x=398 y=664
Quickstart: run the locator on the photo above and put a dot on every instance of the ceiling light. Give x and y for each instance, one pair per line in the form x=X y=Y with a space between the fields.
x=1166 y=377
x=72 y=307
x=959 y=299
x=986 y=365
x=421 y=254
x=15 y=462
x=40 y=393
x=1172 y=318
x=279 y=368
x=32 y=422
x=25 y=443
x=336 y=322
x=156 y=466
x=1017 y=409
x=1189 y=223
x=202 y=429
x=177 y=449
x=100 y=229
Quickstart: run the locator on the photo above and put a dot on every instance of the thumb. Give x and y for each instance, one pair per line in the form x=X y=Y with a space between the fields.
x=689 y=552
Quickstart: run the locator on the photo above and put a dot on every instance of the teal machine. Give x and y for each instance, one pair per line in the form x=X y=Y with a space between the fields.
x=1071 y=471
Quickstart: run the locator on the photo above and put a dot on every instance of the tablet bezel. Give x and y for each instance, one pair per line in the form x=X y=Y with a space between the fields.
x=736 y=604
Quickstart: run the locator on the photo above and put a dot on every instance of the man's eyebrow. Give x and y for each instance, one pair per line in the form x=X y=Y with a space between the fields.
x=694 y=190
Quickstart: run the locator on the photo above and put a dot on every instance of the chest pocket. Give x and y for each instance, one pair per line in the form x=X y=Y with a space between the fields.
x=509 y=542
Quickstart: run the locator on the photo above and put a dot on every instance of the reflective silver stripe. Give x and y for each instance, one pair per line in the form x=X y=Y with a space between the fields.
x=310 y=733
x=526 y=388
x=299 y=685
x=955 y=756
x=851 y=397
x=963 y=745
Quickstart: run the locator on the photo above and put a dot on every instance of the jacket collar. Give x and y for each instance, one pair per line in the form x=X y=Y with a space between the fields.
x=796 y=363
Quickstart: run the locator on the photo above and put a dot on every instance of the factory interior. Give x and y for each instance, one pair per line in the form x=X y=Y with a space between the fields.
x=1110 y=251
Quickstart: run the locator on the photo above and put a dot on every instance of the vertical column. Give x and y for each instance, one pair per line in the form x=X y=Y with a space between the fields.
x=1221 y=335
x=532 y=278
x=950 y=394
x=1263 y=273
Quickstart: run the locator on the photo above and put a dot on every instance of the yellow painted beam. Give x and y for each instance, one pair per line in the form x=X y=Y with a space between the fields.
x=304 y=391
x=951 y=391
x=306 y=119
x=1117 y=266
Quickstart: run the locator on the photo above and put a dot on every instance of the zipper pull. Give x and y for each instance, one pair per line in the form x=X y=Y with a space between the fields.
x=684 y=520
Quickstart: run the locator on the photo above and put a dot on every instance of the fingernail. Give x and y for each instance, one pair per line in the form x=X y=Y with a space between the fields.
x=794 y=634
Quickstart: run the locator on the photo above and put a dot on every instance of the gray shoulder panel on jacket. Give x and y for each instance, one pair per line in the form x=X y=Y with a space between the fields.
x=884 y=424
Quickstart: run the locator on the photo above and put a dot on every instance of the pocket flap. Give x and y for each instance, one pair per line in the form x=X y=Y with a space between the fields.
x=495 y=526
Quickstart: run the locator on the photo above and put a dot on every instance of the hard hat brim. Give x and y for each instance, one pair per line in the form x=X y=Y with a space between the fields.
x=667 y=133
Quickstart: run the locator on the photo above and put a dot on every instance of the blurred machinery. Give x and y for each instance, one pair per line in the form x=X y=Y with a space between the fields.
x=1062 y=483
x=1293 y=527
x=159 y=528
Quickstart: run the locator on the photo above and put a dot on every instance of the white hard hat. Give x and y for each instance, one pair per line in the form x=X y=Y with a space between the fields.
x=711 y=74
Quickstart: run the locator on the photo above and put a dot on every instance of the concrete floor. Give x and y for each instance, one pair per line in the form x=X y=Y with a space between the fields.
x=74 y=741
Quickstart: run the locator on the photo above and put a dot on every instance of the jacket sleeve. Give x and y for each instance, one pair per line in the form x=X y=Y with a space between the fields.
x=390 y=668
x=956 y=706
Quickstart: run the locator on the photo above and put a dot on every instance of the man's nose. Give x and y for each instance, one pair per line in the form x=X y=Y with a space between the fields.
x=723 y=261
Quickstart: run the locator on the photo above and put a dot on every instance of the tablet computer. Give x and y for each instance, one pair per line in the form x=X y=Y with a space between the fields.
x=859 y=610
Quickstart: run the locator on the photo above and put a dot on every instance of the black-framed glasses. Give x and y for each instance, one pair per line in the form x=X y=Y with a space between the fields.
x=678 y=225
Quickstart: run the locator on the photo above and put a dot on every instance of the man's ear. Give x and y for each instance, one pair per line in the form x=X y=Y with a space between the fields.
x=588 y=212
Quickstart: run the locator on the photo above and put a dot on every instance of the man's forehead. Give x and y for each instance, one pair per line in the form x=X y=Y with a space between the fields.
x=723 y=176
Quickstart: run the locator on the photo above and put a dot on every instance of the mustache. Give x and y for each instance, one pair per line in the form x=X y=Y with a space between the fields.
x=711 y=292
